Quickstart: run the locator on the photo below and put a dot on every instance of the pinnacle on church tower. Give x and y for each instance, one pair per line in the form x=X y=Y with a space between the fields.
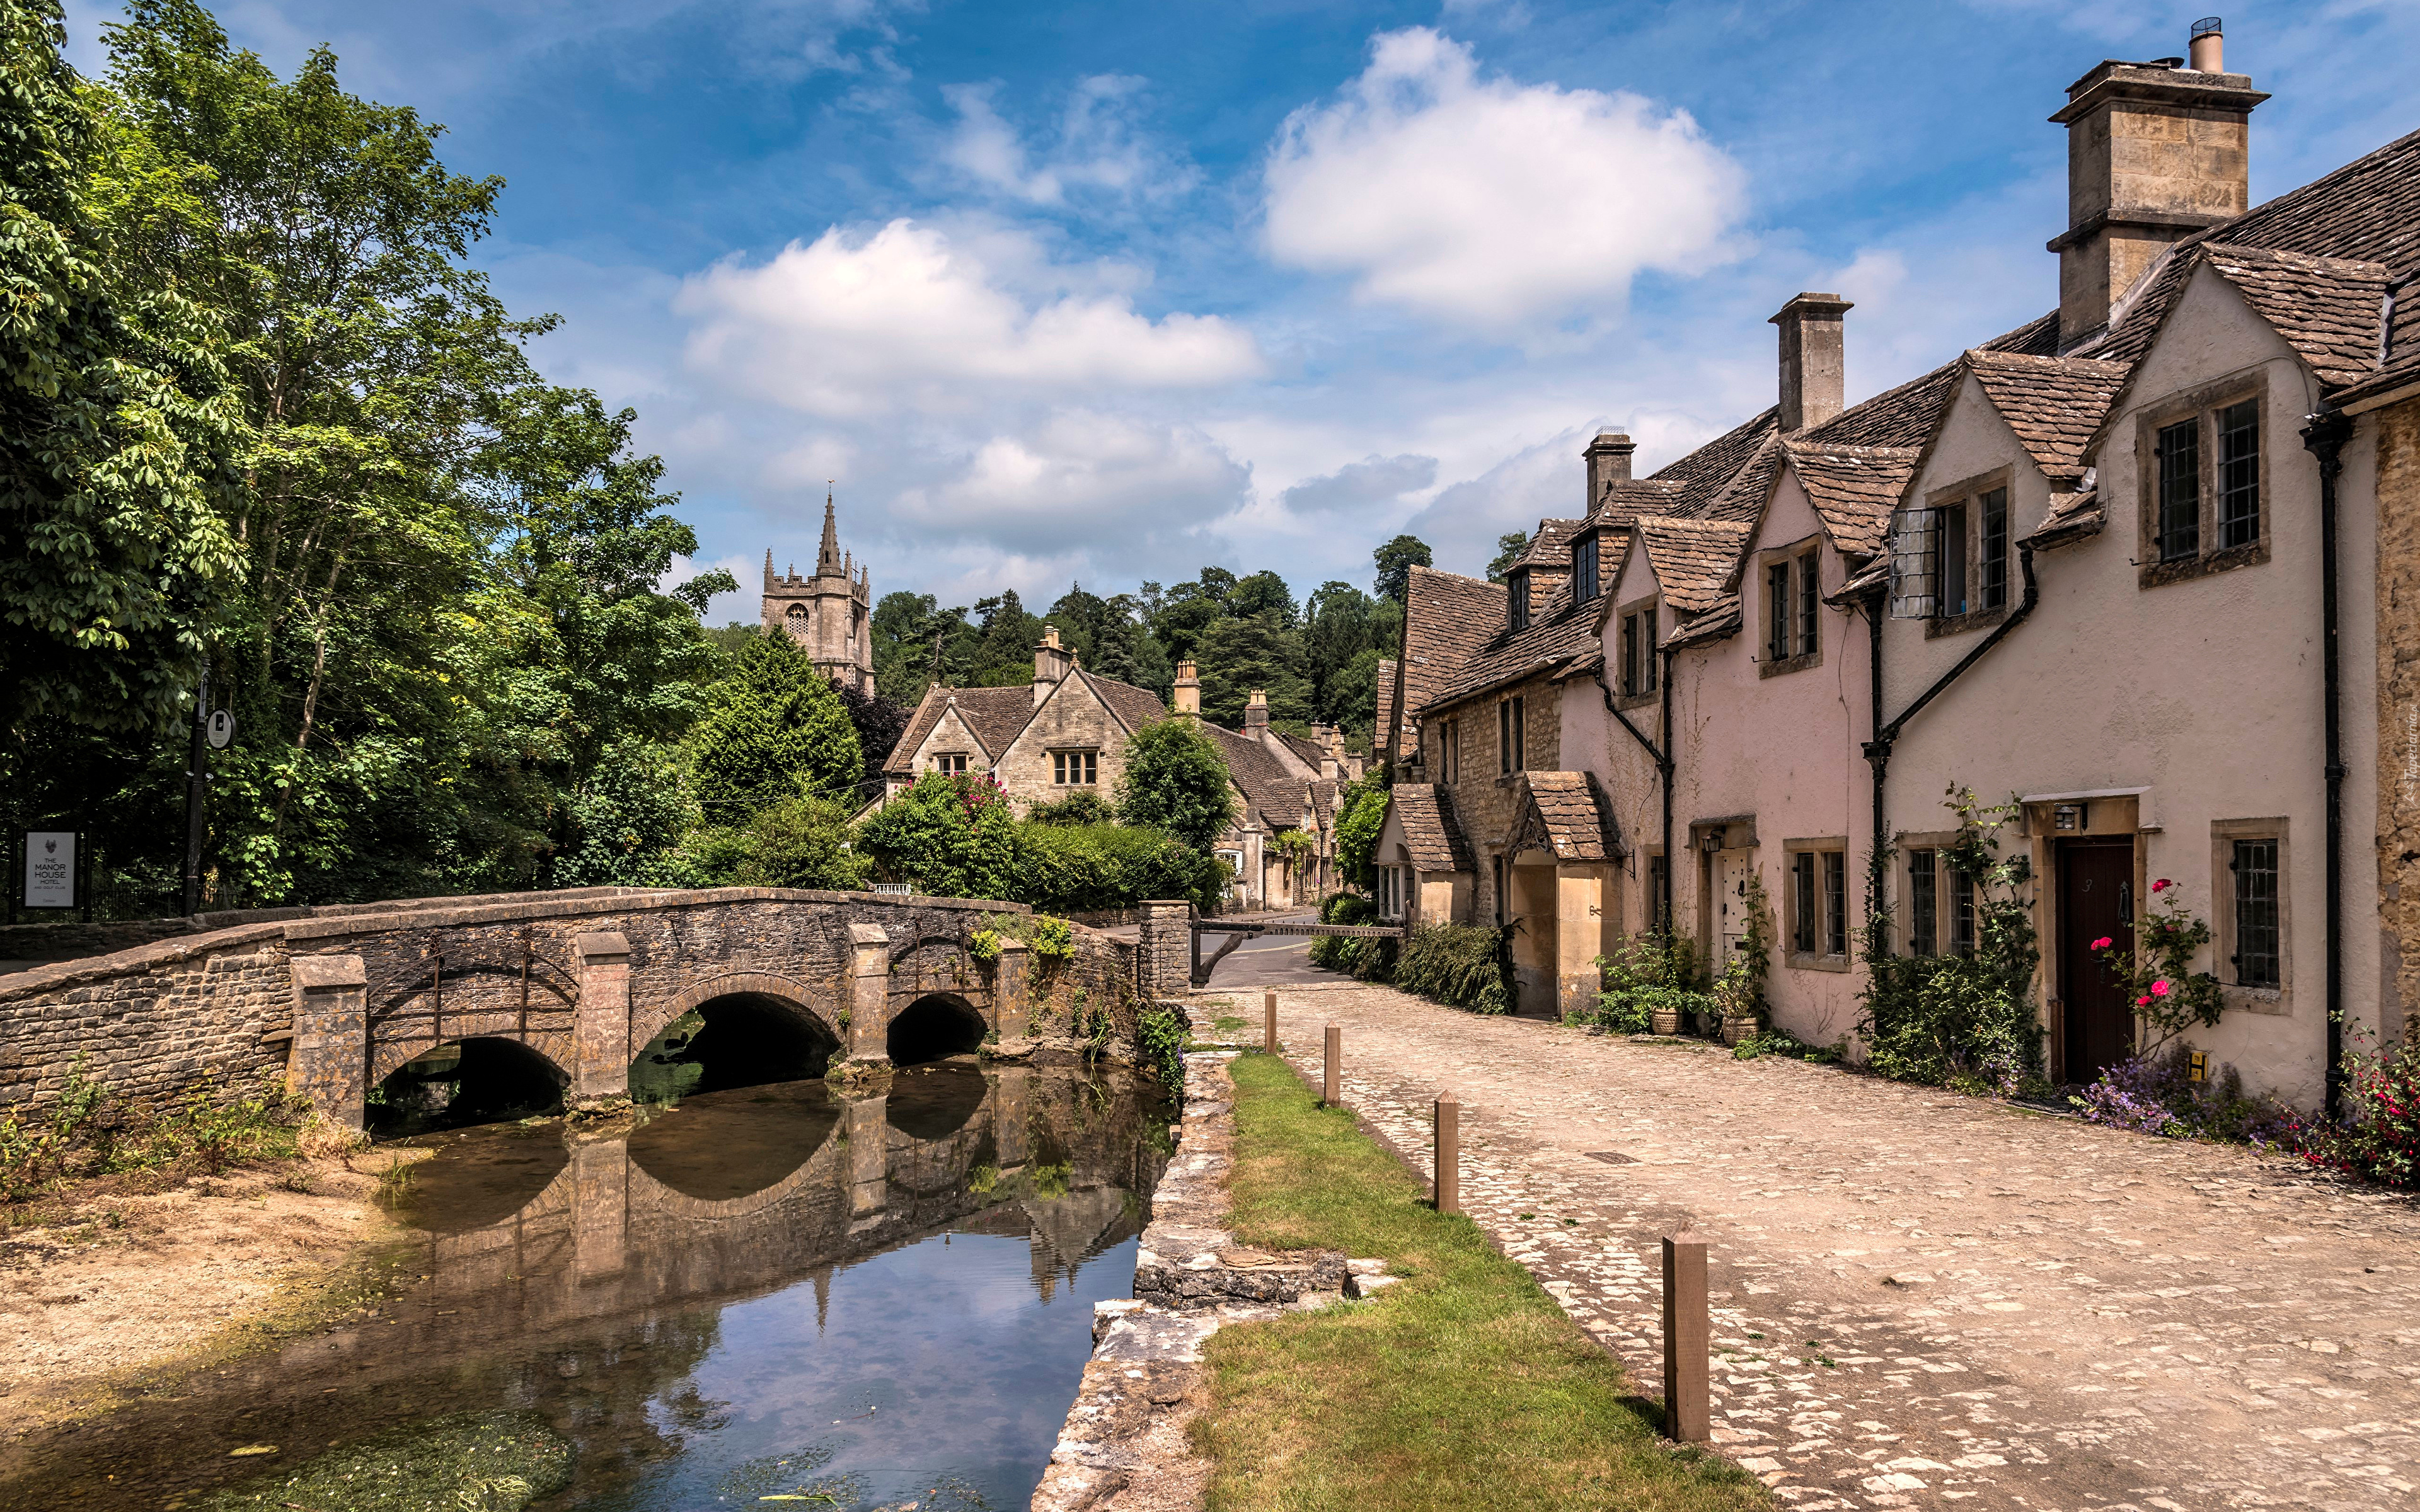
x=827 y=559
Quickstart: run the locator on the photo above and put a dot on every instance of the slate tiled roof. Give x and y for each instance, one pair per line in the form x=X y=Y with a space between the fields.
x=1434 y=840
x=1693 y=558
x=1571 y=810
x=1854 y=489
x=2327 y=308
x=2054 y=404
x=1448 y=620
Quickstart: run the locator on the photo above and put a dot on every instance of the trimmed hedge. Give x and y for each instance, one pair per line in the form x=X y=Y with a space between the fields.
x=1456 y=965
x=1073 y=868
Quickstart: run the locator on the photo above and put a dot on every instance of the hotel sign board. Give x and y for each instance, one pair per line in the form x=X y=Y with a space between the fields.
x=51 y=875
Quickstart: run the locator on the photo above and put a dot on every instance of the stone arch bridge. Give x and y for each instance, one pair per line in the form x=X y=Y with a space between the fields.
x=339 y=997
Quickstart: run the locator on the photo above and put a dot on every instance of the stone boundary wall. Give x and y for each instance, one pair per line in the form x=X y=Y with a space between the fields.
x=72 y=940
x=151 y=1021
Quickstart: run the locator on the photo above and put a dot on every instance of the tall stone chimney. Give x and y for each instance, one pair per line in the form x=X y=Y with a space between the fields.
x=1256 y=715
x=1608 y=463
x=1050 y=663
x=2154 y=153
x=1331 y=755
x=1814 y=372
x=1187 y=696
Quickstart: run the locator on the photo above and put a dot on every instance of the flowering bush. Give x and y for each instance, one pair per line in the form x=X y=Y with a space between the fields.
x=2156 y=1094
x=2379 y=1139
x=1653 y=973
x=2157 y=974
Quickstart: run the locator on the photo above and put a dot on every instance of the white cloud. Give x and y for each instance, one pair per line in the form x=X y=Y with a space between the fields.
x=1484 y=201
x=1081 y=476
x=744 y=606
x=1100 y=146
x=1538 y=482
x=855 y=325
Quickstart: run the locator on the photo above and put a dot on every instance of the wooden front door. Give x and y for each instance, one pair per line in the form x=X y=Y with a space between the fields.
x=2096 y=901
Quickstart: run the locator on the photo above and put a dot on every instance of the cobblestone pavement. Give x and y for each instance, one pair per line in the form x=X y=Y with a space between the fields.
x=1922 y=1299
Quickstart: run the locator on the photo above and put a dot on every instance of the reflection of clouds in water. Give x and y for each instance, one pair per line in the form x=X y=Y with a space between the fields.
x=966 y=1368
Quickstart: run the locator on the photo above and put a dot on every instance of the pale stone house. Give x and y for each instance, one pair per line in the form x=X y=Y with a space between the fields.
x=828 y=612
x=2140 y=565
x=1066 y=733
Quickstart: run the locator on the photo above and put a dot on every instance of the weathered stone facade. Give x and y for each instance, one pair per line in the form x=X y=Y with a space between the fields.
x=1486 y=801
x=829 y=613
x=341 y=1000
x=2399 y=712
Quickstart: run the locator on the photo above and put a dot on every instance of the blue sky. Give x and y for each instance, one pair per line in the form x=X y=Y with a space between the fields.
x=1107 y=291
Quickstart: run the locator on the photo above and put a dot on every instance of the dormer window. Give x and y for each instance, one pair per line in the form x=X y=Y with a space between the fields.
x=1517 y=593
x=1584 y=583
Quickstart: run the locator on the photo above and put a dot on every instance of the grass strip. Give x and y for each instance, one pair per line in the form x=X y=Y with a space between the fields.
x=1464 y=1387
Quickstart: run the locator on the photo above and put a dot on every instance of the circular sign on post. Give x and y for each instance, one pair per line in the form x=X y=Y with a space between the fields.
x=221 y=729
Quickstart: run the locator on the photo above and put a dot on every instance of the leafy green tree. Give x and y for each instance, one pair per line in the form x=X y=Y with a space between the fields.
x=1180 y=616
x=804 y=842
x=1360 y=817
x=1175 y=780
x=1239 y=655
x=624 y=824
x=952 y=837
x=779 y=730
x=1263 y=592
x=1510 y=548
x=1395 y=560
x=119 y=428
x=1350 y=699
x=1126 y=650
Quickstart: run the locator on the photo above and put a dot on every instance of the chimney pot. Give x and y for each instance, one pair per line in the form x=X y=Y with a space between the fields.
x=1256 y=713
x=1608 y=463
x=1814 y=373
x=1050 y=664
x=2209 y=46
x=1186 y=698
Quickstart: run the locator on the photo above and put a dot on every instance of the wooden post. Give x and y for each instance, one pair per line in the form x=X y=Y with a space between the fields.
x=1335 y=1054
x=1685 y=1338
x=1269 y=1014
x=1448 y=1191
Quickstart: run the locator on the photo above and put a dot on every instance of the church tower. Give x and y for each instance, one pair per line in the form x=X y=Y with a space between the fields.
x=827 y=613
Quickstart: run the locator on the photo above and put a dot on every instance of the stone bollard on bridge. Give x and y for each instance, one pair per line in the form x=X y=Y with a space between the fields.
x=1164 y=956
x=1013 y=1008
x=329 y=1063
x=601 y=1041
x=869 y=1002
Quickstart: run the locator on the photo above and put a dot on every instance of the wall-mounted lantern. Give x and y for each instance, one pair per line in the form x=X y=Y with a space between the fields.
x=2068 y=816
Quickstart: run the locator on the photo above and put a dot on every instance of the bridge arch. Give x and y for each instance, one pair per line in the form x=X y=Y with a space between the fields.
x=738 y=1030
x=472 y=1078
x=934 y=1026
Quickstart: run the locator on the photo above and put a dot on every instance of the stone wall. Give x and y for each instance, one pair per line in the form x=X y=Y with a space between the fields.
x=2399 y=715
x=1484 y=803
x=1071 y=719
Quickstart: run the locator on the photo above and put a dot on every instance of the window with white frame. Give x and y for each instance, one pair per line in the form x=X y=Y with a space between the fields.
x=1393 y=883
x=950 y=763
x=2202 y=493
x=1075 y=768
x=1511 y=736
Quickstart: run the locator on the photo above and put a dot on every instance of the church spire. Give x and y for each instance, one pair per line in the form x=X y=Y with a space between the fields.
x=827 y=559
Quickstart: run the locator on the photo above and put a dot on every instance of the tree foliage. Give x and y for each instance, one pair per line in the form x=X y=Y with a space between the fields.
x=778 y=731
x=1175 y=780
x=952 y=837
x=1396 y=560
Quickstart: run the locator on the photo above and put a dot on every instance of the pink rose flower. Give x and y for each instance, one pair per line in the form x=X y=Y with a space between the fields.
x=2101 y=943
x=2142 y=1002
x=2162 y=885
x=2159 y=988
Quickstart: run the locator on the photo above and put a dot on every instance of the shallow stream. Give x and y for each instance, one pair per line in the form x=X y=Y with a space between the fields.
x=770 y=1296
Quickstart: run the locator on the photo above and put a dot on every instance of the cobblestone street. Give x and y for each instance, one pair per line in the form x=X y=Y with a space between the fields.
x=1919 y=1299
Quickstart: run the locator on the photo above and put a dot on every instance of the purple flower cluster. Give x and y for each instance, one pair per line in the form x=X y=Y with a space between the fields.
x=2157 y=1095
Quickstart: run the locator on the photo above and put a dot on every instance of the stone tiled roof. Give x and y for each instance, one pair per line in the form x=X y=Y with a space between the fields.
x=2368 y=210
x=1705 y=472
x=1310 y=752
x=2072 y=518
x=1383 y=734
x=1713 y=622
x=999 y=715
x=1134 y=706
x=1568 y=811
x=1425 y=811
x=1561 y=630
x=2054 y=404
x=1323 y=802
x=2402 y=364
x=1692 y=558
x=1624 y=501
x=2327 y=308
x=1448 y=620
x=1550 y=544
x=994 y=714
x=1272 y=795
x=1854 y=489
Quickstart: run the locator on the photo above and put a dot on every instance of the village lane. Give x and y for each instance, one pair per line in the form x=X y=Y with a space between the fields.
x=1921 y=1299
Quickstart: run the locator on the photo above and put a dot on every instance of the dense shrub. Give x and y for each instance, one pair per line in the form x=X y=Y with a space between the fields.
x=1360 y=817
x=777 y=729
x=1175 y=780
x=1074 y=868
x=1081 y=807
x=2378 y=1138
x=1651 y=974
x=1460 y=965
x=952 y=837
x=802 y=843
x=1371 y=959
x=2156 y=1094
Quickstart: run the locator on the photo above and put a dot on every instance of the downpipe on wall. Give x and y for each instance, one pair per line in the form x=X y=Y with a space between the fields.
x=2325 y=435
x=1663 y=759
